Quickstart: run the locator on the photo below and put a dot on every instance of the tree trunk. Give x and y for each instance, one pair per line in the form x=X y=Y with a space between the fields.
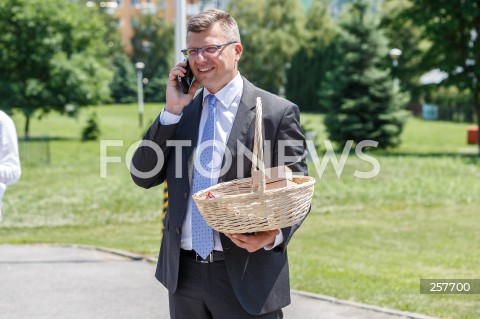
x=476 y=105
x=27 y=125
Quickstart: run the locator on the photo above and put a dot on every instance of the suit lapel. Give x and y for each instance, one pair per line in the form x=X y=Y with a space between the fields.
x=241 y=124
x=191 y=118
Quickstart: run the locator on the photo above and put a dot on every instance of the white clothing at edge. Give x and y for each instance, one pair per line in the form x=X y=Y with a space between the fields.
x=10 y=170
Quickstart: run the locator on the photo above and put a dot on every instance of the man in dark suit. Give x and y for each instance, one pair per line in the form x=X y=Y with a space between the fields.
x=210 y=274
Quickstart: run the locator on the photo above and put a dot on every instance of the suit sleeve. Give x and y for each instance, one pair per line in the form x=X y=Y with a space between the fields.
x=290 y=150
x=148 y=163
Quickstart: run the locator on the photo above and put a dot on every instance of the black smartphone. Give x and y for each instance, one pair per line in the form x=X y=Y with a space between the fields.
x=186 y=81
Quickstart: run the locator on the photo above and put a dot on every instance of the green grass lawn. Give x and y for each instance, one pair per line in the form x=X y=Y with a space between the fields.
x=367 y=240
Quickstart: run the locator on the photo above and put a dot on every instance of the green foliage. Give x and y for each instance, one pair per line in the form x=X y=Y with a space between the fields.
x=271 y=34
x=309 y=65
x=52 y=54
x=426 y=31
x=360 y=98
x=78 y=79
x=153 y=44
x=408 y=37
x=453 y=105
x=91 y=132
x=453 y=29
x=112 y=37
x=124 y=84
x=156 y=88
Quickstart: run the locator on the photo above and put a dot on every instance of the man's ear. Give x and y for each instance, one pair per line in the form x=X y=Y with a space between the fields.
x=238 y=51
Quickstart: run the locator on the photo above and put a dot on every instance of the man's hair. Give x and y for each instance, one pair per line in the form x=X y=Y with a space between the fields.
x=204 y=21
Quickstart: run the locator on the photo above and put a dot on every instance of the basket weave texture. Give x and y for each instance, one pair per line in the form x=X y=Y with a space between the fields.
x=239 y=208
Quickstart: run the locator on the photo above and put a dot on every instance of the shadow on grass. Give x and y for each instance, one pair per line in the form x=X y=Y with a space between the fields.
x=470 y=154
x=473 y=156
x=36 y=139
x=467 y=158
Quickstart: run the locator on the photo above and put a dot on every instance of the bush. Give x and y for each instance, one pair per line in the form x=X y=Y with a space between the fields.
x=91 y=132
x=156 y=89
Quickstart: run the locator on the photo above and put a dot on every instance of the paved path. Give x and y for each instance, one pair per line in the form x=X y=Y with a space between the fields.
x=40 y=281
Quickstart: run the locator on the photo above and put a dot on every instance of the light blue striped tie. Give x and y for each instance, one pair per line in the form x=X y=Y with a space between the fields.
x=202 y=234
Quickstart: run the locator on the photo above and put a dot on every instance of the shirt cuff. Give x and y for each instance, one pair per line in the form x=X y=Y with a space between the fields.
x=278 y=241
x=167 y=118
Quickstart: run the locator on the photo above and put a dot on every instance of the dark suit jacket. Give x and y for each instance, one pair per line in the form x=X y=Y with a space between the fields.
x=262 y=284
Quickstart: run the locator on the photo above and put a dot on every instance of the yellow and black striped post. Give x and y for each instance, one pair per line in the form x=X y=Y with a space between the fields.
x=165 y=204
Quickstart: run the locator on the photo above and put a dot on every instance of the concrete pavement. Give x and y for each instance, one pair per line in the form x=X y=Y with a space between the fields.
x=42 y=281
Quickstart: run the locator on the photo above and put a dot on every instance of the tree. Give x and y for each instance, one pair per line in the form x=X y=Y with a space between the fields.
x=124 y=85
x=408 y=37
x=50 y=57
x=156 y=88
x=153 y=44
x=361 y=100
x=453 y=27
x=452 y=104
x=308 y=67
x=271 y=32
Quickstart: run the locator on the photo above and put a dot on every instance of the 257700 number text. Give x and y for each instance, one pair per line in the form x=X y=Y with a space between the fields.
x=449 y=286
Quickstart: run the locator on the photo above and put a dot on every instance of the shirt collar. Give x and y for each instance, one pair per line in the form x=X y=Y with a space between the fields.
x=229 y=92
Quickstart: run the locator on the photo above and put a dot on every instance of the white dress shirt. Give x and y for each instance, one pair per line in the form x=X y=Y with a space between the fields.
x=9 y=160
x=227 y=102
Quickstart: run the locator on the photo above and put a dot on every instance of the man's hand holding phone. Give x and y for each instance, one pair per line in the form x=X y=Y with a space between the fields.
x=176 y=99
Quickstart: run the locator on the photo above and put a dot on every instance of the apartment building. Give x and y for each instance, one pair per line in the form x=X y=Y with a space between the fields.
x=125 y=10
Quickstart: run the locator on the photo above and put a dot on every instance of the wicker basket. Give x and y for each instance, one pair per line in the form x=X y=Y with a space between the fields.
x=235 y=207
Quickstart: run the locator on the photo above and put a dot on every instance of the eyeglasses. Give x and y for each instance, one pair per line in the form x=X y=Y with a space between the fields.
x=209 y=50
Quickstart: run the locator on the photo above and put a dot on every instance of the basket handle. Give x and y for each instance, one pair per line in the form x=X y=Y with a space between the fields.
x=257 y=160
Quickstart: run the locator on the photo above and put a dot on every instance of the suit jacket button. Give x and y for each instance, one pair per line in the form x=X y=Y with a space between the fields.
x=177 y=230
x=185 y=195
